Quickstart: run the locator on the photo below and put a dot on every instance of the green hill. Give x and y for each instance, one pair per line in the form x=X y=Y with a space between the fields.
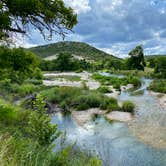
x=79 y=49
x=154 y=56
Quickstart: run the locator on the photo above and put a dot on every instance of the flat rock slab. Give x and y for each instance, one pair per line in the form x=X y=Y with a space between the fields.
x=119 y=116
x=161 y=97
x=127 y=87
x=62 y=83
x=83 y=117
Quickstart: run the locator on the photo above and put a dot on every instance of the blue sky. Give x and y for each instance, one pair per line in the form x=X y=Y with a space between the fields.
x=116 y=26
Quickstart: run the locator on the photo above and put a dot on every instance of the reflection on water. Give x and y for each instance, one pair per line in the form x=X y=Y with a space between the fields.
x=116 y=143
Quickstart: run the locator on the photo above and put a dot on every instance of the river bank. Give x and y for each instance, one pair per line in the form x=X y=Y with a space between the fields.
x=161 y=97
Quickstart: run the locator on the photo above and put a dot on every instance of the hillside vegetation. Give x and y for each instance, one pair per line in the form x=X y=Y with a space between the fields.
x=75 y=48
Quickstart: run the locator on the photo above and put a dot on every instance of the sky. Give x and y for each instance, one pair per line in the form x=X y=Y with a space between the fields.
x=116 y=26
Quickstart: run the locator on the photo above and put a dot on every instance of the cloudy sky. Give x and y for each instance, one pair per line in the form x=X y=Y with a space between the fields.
x=117 y=26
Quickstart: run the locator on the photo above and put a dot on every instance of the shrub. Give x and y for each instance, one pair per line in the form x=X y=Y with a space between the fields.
x=7 y=113
x=24 y=89
x=128 y=106
x=39 y=126
x=134 y=80
x=104 y=89
x=12 y=115
x=6 y=84
x=117 y=82
x=158 y=86
x=87 y=101
x=109 y=104
x=78 y=98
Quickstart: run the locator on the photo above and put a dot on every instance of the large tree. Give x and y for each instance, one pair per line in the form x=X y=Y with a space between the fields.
x=47 y=16
x=136 y=60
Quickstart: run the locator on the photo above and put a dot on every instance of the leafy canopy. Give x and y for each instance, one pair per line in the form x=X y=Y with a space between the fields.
x=17 y=64
x=47 y=16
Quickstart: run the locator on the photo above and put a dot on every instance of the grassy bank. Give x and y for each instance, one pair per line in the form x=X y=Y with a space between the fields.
x=79 y=98
x=148 y=72
x=158 y=86
x=117 y=82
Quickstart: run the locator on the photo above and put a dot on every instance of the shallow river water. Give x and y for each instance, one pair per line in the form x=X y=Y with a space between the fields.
x=141 y=142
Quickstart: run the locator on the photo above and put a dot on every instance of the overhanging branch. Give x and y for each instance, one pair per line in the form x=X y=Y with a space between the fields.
x=17 y=30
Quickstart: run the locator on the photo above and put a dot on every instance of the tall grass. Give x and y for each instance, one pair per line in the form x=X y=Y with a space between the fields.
x=158 y=86
x=78 y=98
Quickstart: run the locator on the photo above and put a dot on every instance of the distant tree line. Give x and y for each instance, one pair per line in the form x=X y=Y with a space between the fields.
x=65 y=62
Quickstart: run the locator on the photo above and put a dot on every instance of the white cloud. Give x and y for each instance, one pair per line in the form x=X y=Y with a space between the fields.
x=118 y=50
x=113 y=7
x=110 y=6
x=79 y=6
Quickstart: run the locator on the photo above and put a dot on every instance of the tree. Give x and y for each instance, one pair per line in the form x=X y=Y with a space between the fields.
x=18 y=64
x=64 y=62
x=136 y=60
x=110 y=63
x=47 y=16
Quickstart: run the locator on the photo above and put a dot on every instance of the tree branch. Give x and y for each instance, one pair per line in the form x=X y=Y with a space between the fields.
x=17 y=30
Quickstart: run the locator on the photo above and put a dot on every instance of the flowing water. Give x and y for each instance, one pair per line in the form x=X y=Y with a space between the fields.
x=142 y=142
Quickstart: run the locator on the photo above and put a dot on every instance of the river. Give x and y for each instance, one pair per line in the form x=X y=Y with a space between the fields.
x=141 y=142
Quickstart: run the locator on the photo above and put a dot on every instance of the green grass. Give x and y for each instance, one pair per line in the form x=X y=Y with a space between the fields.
x=117 y=82
x=148 y=72
x=79 y=98
x=158 y=86
x=14 y=91
x=104 y=89
x=128 y=106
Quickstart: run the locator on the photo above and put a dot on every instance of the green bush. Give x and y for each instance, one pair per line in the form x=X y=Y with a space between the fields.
x=134 y=80
x=87 y=101
x=7 y=113
x=5 y=84
x=128 y=106
x=24 y=89
x=39 y=126
x=109 y=104
x=12 y=115
x=158 y=86
x=17 y=64
x=78 y=98
x=117 y=82
x=104 y=89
